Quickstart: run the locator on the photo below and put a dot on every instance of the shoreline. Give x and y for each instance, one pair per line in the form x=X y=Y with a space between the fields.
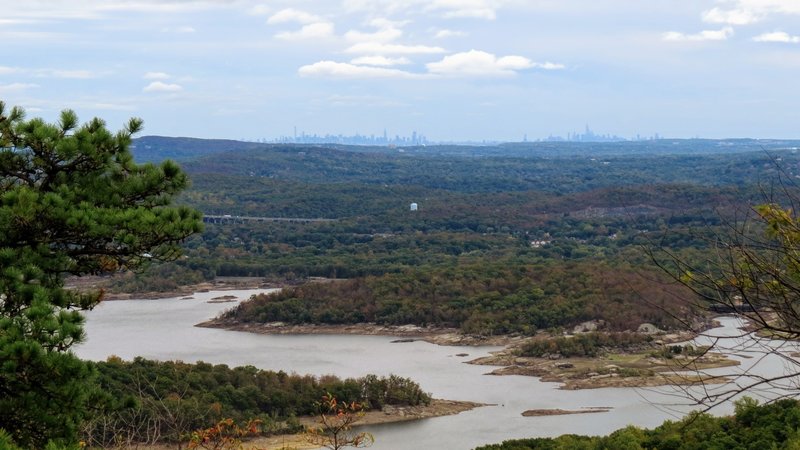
x=190 y=290
x=404 y=333
x=390 y=414
x=640 y=368
x=218 y=284
x=89 y=283
x=613 y=369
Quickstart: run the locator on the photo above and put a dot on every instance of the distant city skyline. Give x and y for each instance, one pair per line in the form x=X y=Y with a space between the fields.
x=355 y=139
x=471 y=70
x=416 y=138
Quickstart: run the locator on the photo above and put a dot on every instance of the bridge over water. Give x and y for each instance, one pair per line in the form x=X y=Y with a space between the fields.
x=228 y=218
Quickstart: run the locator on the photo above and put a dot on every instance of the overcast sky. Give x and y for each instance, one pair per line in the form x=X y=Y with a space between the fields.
x=449 y=69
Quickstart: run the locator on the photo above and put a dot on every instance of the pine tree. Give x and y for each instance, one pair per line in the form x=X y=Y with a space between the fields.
x=72 y=202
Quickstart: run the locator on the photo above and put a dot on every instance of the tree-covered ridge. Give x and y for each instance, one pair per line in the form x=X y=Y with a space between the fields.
x=752 y=427
x=500 y=297
x=389 y=204
x=159 y=148
x=565 y=173
x=146 y=401
x=584 y=201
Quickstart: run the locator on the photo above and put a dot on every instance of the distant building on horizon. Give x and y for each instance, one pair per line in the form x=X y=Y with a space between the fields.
x=414 y=207
x=416 y=139
x=587 y=136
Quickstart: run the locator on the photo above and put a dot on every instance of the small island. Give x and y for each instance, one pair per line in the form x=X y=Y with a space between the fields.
x=598 y=360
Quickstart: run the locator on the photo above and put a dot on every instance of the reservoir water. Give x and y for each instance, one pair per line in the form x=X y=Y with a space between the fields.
x=164 y=330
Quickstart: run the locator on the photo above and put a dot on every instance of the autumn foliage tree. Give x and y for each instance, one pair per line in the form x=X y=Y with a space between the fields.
x=225 y=434
x=335 y=429
x=72 y=202
x=753 y=271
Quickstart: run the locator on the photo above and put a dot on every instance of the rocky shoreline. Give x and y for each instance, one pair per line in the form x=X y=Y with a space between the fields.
x=406 y=333
x=562 y=412
x=93 y=283
x=614 y=368
x=611 y=369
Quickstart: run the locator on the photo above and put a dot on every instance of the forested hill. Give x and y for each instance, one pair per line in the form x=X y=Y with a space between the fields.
x=494 y=174
x=159 y=148
x=507 y=239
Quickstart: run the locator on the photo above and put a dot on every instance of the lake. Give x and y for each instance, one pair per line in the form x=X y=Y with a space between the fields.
x=164 y=329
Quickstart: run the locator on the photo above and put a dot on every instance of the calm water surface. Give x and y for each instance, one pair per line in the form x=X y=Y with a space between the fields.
x=164 y=330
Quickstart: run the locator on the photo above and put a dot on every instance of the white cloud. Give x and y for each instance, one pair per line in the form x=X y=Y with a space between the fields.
x=379 y=48
x=16 y=87
x=745 y=12
x=474 y=9
x=293 y=15
x=18 y=21
x=380 y=61
x=382 y=22
x=549 y=66
x=777 y=36
x=731 y=17
x=5 y=70
x=386 y=31
x=443 y=34
x=259 y=10
x=479 y=63
x=706 y=35
x=160 y=86
x=346 y=70
x=387 y=34
x=473 y=63
x=478 y=13
x=310 y=31
x=156 y=76
x=768 y=6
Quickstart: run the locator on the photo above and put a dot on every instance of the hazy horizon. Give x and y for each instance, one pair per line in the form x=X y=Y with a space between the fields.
x=451 y=70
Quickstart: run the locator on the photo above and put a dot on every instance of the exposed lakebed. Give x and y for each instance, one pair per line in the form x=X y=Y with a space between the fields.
x=164 y=329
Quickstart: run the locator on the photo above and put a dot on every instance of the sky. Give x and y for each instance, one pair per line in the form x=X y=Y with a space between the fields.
x=452 y=70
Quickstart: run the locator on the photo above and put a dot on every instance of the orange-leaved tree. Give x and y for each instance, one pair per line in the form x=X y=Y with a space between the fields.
x=335 y=429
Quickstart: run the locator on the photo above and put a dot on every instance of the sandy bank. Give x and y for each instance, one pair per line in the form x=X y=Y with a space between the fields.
x=390 y=414
x=562 y=412
x=406 y=333
x=632 y=369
